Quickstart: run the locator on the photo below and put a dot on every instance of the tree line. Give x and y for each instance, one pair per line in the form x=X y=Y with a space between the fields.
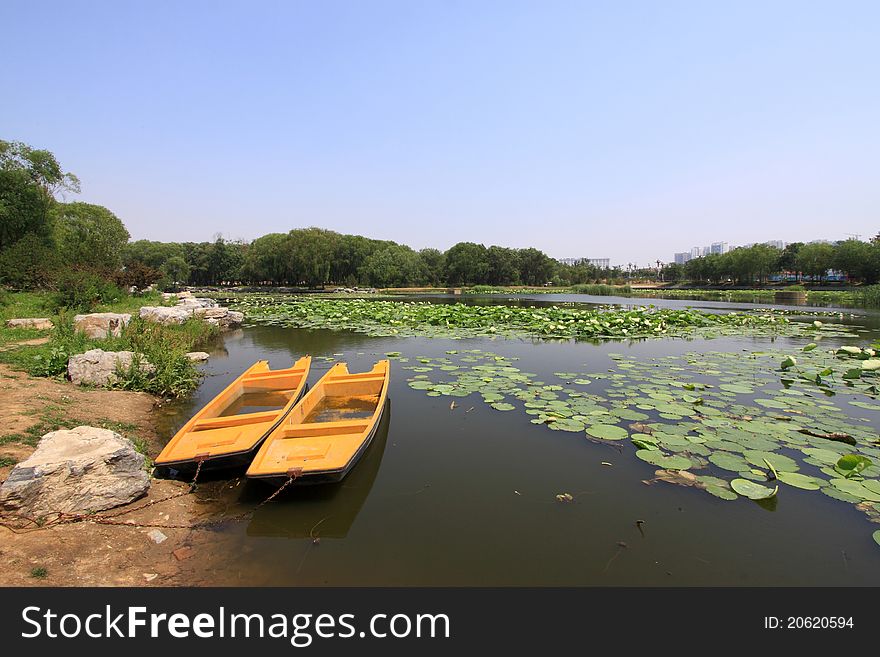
x=84 y=249
x=313 y=257
x=859 y=261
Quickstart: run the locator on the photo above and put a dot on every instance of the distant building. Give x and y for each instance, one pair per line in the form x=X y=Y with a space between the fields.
x=682 y=258
x=600 y=263
x=776 y=244
x=718 y=248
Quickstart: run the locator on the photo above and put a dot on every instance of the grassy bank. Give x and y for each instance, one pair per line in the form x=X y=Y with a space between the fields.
x=162 y=346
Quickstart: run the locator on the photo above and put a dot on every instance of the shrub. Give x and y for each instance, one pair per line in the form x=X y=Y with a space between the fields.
x=28 y=264
x=82 y=290
x=137 y=274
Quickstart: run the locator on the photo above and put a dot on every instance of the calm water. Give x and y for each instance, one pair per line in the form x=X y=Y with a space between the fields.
x=446 y=497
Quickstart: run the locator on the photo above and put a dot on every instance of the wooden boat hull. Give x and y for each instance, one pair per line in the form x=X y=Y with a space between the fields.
x=327 y=476
x=312 y=444
x=322 y=511
x=226 y=441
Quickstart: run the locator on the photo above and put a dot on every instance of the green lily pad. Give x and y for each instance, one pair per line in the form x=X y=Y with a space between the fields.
x=752 y=490
x=856 y=489
x=722 y=492
x=799 y=480
x=664 y=461
x=607 y=432
x=850 y=465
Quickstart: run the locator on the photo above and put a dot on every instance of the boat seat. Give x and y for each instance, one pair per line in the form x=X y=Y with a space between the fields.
x=356 y=377
x=271 y=374
x=234 y=420
x=335 y=428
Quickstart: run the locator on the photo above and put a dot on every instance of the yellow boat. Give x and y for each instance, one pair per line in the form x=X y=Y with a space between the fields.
x=325 y=434
x=228 y=430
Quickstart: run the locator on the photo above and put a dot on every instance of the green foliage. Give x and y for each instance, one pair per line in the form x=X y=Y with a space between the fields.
x=466 y=320
x=393 y=266
x=83 y=290
x=89 y=235
x=600 y=289
x=30 y=263
x=467 y=264
x=815 y=259
x=870 y=296
x=162 y=346
x=137 y=274
x=24 y=208
x=176 y=269
x=38 y=572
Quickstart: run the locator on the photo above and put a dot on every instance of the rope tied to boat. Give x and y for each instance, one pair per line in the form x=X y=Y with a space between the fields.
x=292 y=475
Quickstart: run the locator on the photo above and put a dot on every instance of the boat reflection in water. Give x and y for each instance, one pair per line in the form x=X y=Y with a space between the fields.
x=325 y=510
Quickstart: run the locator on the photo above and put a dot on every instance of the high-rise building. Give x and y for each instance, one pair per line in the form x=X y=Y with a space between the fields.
x=682 y=258
x=718 y=248
x=776 y=244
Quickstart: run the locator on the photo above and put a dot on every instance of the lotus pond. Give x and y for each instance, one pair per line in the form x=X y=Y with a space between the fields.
x=573 y=445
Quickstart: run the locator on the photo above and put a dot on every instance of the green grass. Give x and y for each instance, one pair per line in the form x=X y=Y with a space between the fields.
x=6 y=462
x=39 y=572
x=162 y=346
x=53 y=417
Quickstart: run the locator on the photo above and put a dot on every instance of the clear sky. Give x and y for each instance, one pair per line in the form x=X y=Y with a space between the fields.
x=627 y=130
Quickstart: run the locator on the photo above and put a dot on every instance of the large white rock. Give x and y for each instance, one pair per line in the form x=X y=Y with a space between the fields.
x=101 y=325
x=98 y=367
x=196 y=303
x=39 y=323
x=232 y=319
x=198 y=356
x=205 y=309
x=79 y=470
x=165 y=314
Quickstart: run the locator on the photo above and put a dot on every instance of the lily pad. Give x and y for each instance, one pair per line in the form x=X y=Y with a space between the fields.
x=752 y=490
x=799 y=480
x=664 y=461
x=607 y=432
x=850 y=465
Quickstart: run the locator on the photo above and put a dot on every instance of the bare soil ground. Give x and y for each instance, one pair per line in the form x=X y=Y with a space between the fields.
x=86 y=553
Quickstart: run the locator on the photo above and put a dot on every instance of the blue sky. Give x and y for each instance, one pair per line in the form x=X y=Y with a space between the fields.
x=627 y=130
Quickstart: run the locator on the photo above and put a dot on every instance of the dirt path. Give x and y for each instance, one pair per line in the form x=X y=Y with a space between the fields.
x=90 y=554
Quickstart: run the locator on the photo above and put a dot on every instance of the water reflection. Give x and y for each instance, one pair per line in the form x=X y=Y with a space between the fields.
x=323 y=511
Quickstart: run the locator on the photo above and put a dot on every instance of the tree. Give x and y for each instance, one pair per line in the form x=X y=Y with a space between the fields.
x=433 y=263
x=309 y=253
x=788 y=261
x=89 y=235
x=176 y=269
x=41 y=167
x=535 y=267
x=393 y=266
x=504 y=266
x=266 y=260
x=24 y=208
x=29 y=263
x=466 y=264
x=858 y=259
x=815 y=259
